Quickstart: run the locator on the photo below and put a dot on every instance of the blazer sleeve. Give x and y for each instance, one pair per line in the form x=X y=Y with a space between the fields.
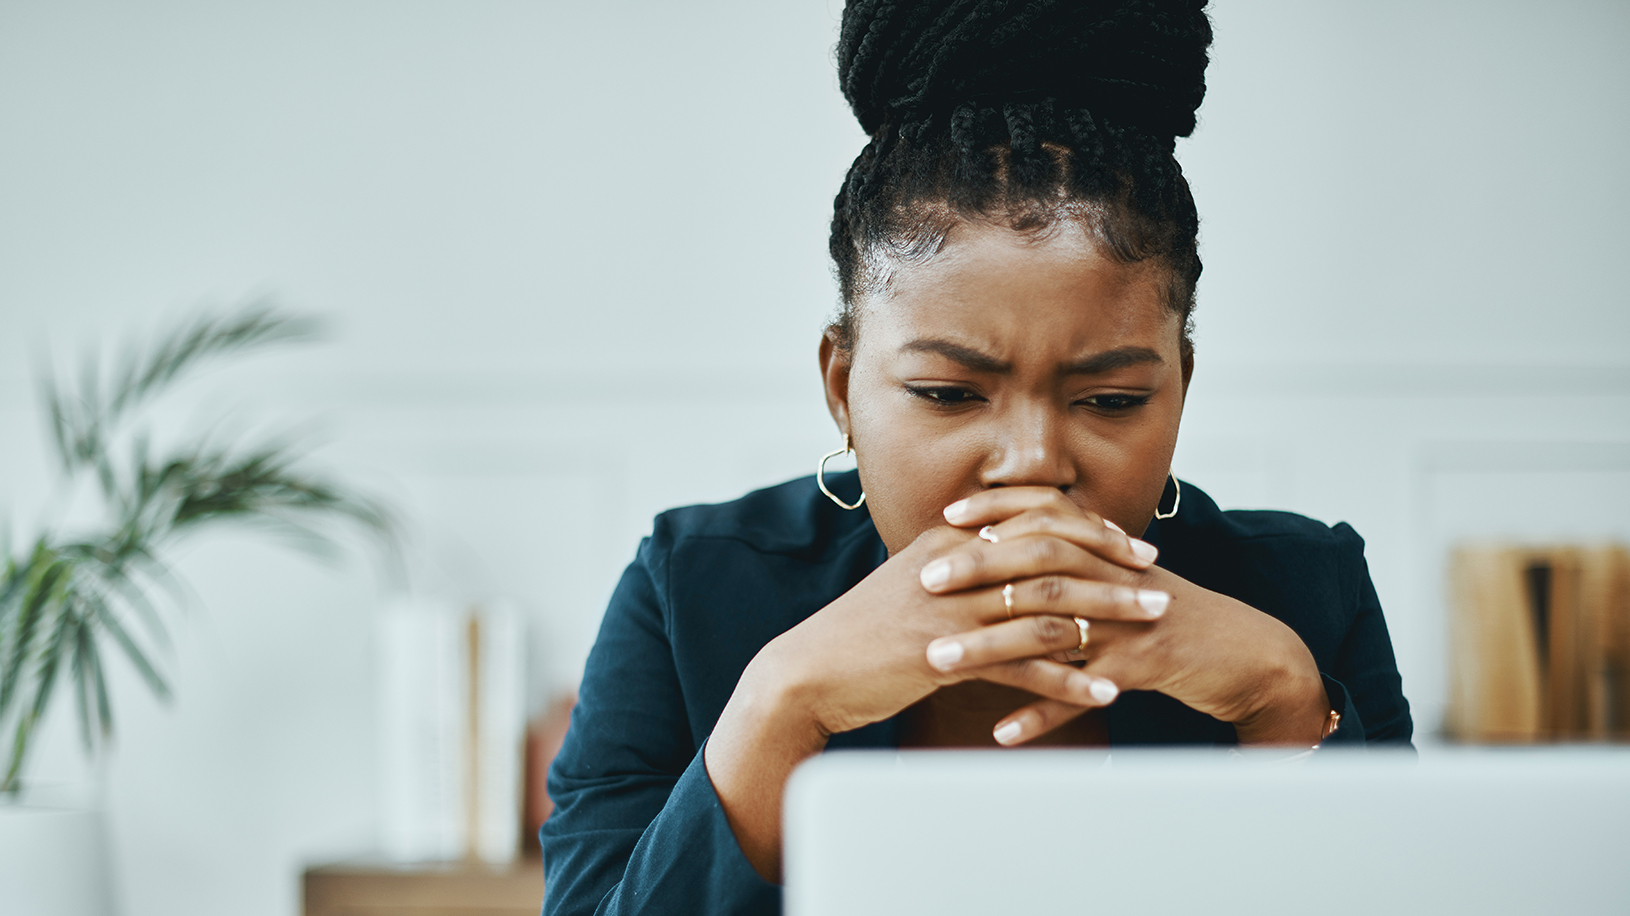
x=1362 y=679
x=637 y=826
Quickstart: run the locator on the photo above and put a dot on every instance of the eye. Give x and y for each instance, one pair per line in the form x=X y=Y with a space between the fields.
x=943 y=395
x=1115 y=403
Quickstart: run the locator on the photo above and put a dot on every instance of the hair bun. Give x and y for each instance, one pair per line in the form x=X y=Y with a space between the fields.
x=1134 y=63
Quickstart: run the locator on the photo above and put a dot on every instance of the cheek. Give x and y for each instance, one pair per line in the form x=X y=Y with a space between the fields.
x=909 y=468
x=1124 y=476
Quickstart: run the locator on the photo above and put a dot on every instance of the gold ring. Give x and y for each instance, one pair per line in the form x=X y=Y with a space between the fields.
x=1081 y=627
x=989 y=534
x=1007 y=599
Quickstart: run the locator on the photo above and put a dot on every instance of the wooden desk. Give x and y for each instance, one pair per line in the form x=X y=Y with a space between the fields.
x=370 y=888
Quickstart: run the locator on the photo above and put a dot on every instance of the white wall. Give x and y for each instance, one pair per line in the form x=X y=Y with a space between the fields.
x=573 y=258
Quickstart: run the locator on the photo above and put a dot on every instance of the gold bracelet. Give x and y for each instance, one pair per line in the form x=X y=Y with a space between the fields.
x=1331 y=723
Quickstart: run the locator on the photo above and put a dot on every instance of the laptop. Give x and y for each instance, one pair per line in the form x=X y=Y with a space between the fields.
x=1201 y=832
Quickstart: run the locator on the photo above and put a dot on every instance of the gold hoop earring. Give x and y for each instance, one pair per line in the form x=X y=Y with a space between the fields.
x=820 y=476
x=1177 y=500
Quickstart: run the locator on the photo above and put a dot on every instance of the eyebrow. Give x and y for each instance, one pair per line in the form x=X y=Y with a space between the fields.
x=967 y=356
x=1110 y=360
x=1107 y=361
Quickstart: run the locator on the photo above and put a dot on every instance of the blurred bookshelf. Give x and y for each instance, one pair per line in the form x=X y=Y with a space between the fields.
x=508 y=882
x=468 y=888
x=1540 y=643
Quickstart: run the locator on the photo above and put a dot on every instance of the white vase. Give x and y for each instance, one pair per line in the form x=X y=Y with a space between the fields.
x=54 y=855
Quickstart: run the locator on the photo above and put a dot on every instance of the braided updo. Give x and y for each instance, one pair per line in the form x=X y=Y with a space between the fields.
x=1021 y=112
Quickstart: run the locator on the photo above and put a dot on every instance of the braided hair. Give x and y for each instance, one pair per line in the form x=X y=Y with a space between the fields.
x=1022 y=112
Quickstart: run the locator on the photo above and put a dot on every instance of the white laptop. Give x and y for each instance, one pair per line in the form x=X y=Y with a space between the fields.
x=1197 y=832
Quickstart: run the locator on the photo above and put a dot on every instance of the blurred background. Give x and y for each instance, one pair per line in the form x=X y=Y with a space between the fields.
x=571 y=258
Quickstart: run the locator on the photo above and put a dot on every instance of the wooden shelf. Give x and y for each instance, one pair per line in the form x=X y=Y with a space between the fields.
x=372 y=888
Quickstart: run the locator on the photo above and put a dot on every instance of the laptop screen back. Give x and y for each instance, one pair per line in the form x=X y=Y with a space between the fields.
x=1056 y=832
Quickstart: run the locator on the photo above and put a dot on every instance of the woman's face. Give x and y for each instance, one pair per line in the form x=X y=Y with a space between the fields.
x=1011 y=359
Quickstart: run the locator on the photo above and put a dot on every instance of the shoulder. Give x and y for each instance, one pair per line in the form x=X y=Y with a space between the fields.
x=1267 y=559
x=727 y=578
x=792 y=519
x=1200 y=522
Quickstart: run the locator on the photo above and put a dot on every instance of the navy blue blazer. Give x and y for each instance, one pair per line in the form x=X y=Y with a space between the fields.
x=637 y=827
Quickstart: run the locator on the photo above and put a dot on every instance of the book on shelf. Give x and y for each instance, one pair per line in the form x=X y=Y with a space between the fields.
x=452 y=704
x=1540 y=643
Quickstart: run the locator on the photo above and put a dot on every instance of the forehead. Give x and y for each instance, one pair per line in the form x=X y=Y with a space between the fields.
x=1021 y=292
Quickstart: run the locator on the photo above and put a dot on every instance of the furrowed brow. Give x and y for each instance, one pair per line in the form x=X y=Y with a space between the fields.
x=967 y=356
x=1110 y=360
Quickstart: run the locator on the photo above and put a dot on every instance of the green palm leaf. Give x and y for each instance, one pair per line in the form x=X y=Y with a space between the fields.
x=60 y=601
x=46 y=579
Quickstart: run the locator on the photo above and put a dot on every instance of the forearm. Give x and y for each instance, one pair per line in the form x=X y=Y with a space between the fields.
x=761 y=737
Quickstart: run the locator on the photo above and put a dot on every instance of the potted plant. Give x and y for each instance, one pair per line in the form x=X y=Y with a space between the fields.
x=71 y=596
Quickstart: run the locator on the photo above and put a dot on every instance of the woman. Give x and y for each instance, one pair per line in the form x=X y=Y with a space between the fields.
x=1016 y=250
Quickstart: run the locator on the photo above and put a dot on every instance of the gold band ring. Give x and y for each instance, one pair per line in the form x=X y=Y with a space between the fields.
x=1007 y=599
x=1081 y=627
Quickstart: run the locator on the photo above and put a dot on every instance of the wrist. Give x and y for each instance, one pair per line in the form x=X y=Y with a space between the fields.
x=1295 y=710
x=775 y=703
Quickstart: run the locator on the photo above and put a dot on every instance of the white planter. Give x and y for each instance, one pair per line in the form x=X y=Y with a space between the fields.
x=53 y=856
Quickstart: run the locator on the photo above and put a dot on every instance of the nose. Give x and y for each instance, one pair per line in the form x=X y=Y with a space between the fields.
x=1030 y=448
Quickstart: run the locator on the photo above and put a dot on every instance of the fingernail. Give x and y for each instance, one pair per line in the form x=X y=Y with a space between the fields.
x=1153 y=603
x=1104 y=692
x=955 y=511
x=1114 y=527
x=936 y=573
x=1143 y=550
x=1008 y=733
x=943 y=653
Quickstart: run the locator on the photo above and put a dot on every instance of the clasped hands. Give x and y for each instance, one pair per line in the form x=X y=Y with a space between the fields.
x=934 y=614
x=1066 y=580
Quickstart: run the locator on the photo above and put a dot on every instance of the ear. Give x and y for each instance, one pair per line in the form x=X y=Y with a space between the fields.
x=835 y=364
